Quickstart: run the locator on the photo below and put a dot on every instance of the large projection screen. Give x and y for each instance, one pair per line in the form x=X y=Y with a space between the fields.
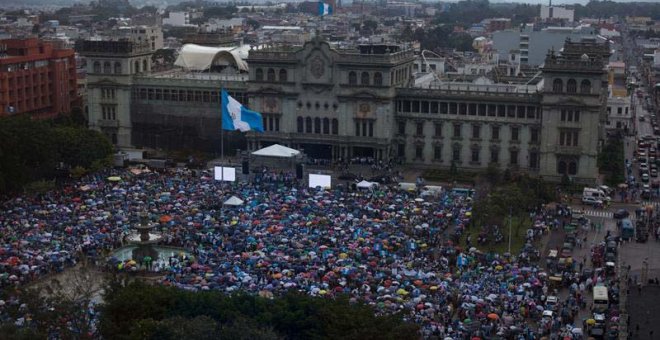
x=322 y=181
x=224 y=174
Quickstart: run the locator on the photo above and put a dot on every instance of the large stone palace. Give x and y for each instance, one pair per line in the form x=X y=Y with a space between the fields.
x=361 y=102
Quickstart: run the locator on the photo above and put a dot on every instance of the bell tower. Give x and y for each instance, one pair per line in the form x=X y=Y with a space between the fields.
x=111 y=67
x=573 y=108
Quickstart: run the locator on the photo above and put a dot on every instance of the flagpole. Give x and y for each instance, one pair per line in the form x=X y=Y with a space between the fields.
x=222 y=133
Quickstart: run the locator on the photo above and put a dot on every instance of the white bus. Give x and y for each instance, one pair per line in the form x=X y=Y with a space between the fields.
x=601 y=300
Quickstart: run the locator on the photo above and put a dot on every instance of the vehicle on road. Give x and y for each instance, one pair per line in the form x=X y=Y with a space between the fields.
x=601 y=301
x=591 y=201
x=595 y=193
x=626 y=229
x=621 y=214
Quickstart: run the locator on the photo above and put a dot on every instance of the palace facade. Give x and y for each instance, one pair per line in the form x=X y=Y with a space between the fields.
x=363 y=102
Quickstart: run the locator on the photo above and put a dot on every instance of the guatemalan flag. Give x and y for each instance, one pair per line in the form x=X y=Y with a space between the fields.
x=235 y=116
x=324 y=9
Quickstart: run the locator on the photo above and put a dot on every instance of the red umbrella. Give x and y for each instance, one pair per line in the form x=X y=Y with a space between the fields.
x=13 y=261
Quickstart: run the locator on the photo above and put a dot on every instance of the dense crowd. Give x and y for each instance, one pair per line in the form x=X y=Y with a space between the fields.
x=388 y=248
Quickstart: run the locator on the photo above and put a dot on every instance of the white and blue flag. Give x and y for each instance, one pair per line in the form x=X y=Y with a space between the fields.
x=324 y=9
x=235 y=116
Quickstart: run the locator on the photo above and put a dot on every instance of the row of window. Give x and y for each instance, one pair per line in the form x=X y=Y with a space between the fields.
x=364 y=127
x=475 y=155
x=365 y=78
x=568 y=137
x=108 y=67
x=472 y=109
x=107 y=93
x=271 y=122
x=23 y=80
x=109 y=112
x=619 y=110
x=567 y=167
x=325 y=126
x=570 y=115
x=571 y=86
x=270 y=75
x=184 y=95
x=476 y=131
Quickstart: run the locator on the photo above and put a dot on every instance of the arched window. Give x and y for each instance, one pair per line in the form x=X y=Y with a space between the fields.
x=585 y=87
x=326 y=126
x=571 y=86
x=137 y=66
x=317 y=125
x=145 y=66
x=572 y=168
x=97 y=67
x=378 y=79
x=561 y=168
x=117 y=67
x=106 y=67
x=283 y=75
x=259 y=76
x=335 y=126
x=308 y=125
x=557 y=85
x=364 y=78
x=352 y=78
x=271 y=75
x=300 y=124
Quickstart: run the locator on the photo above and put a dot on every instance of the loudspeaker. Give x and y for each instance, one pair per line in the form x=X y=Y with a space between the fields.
x=299 y=171
x=246 y=168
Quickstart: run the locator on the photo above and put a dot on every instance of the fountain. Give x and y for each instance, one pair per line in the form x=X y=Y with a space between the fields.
x=143 y=243
x=144 y=239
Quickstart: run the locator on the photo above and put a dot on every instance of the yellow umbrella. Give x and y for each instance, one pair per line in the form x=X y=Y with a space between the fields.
x=343 y=255
x=434 y=288
x=591 y=322
x=469 y=213
x=402 y=291
x=323 y=292
x=114 y=178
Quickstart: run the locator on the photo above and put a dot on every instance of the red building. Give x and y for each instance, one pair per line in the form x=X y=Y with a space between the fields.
x=36 y=78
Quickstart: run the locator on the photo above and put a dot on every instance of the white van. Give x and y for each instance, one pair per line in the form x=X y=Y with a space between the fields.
x=407 y=186
x=431 y=190
x=596 y=194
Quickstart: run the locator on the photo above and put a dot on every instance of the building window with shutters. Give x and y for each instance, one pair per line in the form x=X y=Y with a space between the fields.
x=419 y=152
x=514 y=133
x=513 y=157
x=475 y=155
x=495 y=132
x=494 y=155
x=437 y=153
x=420 y=129
x=476 y=131
x=402 y=128
x=456 y=153
x=457 y=130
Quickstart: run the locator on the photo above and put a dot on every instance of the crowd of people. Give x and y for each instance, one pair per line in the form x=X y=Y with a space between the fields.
x=385 y=247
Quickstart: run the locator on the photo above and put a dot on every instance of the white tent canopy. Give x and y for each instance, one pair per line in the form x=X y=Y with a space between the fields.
x=365 y=185
x=234 y=201
x=200 y=58
x=277 y=150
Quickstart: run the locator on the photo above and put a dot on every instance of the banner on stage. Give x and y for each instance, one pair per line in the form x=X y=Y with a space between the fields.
x=225 y=174
x=322 y=181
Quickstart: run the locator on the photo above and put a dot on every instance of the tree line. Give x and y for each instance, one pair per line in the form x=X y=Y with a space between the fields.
x=34 y=150
x=138 y=310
